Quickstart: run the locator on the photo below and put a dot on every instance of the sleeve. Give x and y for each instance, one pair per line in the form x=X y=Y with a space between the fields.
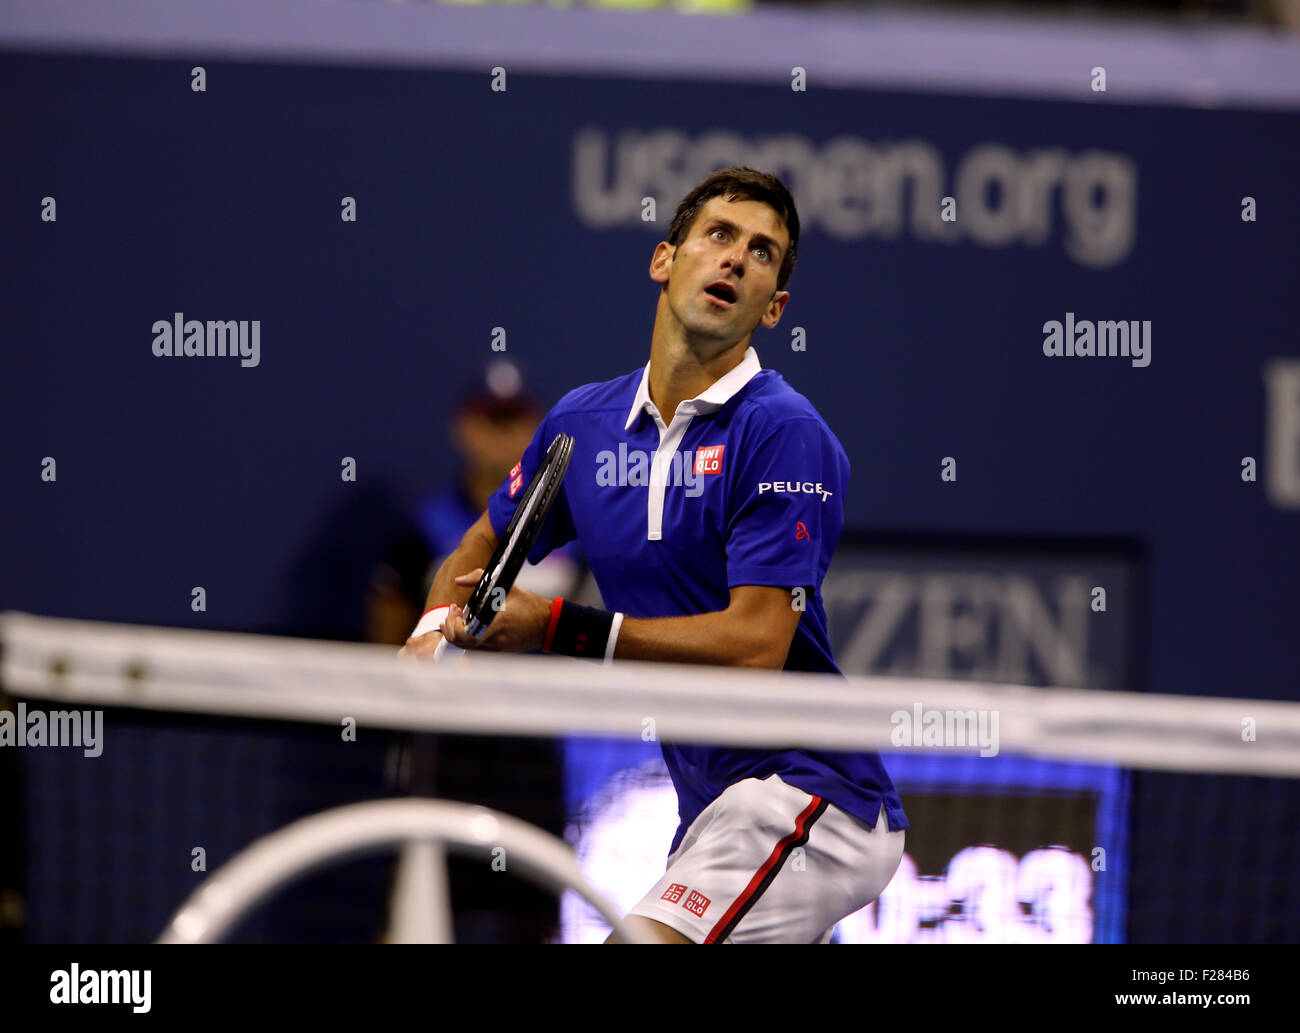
x=502 y=503
x=788 y=507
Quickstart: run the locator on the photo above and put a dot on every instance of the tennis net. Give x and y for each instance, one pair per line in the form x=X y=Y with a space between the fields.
x=1037 y=814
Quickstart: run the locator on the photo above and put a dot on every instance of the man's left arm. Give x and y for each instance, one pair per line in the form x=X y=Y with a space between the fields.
x=755 y=630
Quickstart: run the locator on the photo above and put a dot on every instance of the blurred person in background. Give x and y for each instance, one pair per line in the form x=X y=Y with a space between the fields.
x=492 y=424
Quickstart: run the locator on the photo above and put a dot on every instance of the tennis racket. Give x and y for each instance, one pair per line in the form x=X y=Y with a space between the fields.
x=515 y=545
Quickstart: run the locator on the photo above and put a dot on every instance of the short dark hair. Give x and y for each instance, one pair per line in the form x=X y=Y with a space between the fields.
x=741 y=183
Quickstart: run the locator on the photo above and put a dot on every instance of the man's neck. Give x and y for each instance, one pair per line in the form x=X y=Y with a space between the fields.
x=676 y=373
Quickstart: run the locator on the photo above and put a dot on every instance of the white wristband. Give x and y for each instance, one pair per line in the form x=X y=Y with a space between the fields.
x=431 y=621
x=613 y=637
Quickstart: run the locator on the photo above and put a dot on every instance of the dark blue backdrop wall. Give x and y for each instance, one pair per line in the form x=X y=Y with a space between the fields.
x=523 y=210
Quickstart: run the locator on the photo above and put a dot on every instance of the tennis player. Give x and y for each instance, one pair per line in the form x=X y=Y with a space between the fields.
x=709 y=531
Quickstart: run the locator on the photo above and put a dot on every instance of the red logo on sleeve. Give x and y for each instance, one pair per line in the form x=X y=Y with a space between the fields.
x=516 y=484
x=673 y=893
x=697 y=903
x=709 y=459
x=800 y=531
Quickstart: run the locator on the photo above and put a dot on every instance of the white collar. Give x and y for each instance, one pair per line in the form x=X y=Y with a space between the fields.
x=710 y=399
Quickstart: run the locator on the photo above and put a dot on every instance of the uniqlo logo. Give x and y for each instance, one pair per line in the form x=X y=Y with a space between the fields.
x=517 y=469
x=697 y=903
x=709 y=460
x=673 y=893
x=516 y=483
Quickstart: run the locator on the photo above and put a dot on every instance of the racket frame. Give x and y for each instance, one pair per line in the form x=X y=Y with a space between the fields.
x=520 y=535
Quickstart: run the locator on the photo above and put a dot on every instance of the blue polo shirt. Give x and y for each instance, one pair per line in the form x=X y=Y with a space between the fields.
x=745 y=486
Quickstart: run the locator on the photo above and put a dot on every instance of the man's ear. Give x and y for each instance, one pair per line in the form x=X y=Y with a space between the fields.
x=775 y=306
x=663 y=256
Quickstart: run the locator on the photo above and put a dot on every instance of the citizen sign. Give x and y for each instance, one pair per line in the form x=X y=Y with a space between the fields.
x=794 y=488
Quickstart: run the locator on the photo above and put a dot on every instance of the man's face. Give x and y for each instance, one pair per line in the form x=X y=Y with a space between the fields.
x=737 y=243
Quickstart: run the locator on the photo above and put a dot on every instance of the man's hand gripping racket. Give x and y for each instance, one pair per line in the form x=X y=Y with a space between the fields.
x=498 y=577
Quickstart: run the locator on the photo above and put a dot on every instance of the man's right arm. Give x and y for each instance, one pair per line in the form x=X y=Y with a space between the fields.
x=474 y=551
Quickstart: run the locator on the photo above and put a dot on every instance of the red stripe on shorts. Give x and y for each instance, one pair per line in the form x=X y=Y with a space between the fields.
x=775 y=859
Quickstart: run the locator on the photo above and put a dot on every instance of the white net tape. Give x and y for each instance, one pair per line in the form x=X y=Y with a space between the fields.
x=217 y=673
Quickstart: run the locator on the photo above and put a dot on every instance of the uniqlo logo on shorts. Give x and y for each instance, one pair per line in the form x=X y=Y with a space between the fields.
x=697 y=903
x=673 y=893
x=709 y=460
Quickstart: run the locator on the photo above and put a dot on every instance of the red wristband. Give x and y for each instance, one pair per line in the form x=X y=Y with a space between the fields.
x=556 y=605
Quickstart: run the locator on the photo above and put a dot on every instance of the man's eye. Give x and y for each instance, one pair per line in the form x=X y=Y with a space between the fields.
x=766 y=256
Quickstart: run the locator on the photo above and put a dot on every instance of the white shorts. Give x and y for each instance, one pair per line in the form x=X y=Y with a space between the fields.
x=768 y=863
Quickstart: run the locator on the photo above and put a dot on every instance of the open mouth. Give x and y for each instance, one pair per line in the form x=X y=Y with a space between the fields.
x=723 y=293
